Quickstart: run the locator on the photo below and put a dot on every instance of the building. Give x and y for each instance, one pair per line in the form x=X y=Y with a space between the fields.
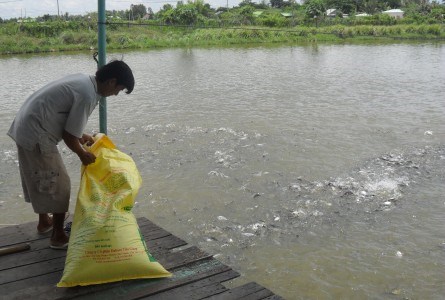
x=396 y=13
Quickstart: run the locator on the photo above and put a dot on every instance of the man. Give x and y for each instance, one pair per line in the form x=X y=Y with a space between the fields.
x=60 y=111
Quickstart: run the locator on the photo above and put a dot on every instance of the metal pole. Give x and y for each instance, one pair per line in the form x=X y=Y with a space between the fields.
x=102 y=59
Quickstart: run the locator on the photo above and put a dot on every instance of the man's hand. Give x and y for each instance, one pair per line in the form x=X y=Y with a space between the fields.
x=86 y=139
x=74 y=144
x=87 y=158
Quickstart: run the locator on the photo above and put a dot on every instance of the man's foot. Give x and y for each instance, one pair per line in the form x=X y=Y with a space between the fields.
x=58 y=246
x=45 y=224
x=59 y=239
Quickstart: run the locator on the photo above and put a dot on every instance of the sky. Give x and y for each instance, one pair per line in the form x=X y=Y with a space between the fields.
x=34 y=8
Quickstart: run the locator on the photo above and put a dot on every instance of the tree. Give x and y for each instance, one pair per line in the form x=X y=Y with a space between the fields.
x=372 y=6
x=246 y=12
x=166 y=7
x=315 y=8
x=394 y=3
x=46 y=17
x=263 y=4
x=203 y=8
x=183 y=14
x=277 y=3
x=186 y=14
x=166 y=14
x=150 y=13
x=245 y=3
x=345 y=6
x=138 y=11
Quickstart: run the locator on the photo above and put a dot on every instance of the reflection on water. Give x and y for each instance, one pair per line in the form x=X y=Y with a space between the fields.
x=316 y=172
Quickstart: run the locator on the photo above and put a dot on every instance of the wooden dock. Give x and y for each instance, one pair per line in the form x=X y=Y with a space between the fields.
x=34 y=273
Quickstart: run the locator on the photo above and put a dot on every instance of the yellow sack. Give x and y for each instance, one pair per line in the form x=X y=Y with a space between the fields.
x=105 y=243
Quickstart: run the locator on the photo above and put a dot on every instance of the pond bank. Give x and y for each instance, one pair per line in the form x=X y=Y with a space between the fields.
x=17 y=39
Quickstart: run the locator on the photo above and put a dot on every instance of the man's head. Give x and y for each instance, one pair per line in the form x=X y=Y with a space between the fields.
x=114 y=77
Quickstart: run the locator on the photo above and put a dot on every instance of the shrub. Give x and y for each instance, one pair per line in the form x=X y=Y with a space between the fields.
x=67 y=37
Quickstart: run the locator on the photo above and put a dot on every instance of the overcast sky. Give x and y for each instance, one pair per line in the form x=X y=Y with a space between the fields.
x=34 y=8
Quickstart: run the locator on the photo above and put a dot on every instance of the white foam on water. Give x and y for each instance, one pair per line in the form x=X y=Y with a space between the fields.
x=223 y=158
x=386 y=186
x=9 y=155
x=130 y=130
x=150 y=127
x=190 y=130
x=257 y=226
x=299 y=213
x=248 y=234
x=217 y=174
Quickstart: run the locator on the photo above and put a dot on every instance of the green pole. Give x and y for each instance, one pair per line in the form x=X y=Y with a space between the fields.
x=102 y=59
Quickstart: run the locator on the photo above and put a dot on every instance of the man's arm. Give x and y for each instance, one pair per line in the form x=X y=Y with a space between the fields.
x=74 y=144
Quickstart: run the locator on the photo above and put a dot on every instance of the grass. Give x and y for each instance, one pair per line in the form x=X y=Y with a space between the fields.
x=145 y=37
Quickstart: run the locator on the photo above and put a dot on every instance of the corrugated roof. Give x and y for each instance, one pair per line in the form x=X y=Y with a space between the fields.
x=394 y=11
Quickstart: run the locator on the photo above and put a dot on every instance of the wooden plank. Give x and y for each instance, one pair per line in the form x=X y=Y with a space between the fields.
x=28 y=232
x=190 y=291
x=22 y=236
x=30 y=227
x=274 y=297
x=197 y=290
x=22 y=277
x=248 y=291
x=148 y=225
x=26 y=258
x=28 y=271
x=196 y=275
x=116 y=290
x=155 y=234
x=168 y=260
x=40 y=248
x=181 y=258
x=4 y=231
x=185 y=275
x=40 y=251
x=25 y=289
x=166 y=243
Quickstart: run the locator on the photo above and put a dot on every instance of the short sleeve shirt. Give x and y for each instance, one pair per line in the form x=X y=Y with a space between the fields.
x=64 y=104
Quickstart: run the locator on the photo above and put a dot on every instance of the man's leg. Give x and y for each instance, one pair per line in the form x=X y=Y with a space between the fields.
x=45 y=223
x=59 y=237
x=47 y=186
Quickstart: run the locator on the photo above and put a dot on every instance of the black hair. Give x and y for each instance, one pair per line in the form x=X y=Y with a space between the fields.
x=119 y=70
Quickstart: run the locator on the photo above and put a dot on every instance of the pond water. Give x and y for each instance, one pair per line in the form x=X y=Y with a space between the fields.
x=317 y=171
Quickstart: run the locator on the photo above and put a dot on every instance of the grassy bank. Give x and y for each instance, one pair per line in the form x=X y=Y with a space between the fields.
x=32 y=39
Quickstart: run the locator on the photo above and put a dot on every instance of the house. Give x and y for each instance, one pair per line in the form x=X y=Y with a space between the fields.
x=332 y=12
x=396 y=13
x=147 y=16
x=257 y=13
x=286 y=14
x=27 y=20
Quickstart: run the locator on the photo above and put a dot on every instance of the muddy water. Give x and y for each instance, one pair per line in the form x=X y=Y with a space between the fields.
x=316 y=171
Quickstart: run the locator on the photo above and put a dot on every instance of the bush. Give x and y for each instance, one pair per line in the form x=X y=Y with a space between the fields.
x=434 y=29
x=67 y=38
x=273 y=20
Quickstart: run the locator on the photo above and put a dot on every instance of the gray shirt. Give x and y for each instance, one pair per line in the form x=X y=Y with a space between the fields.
x=64 y=104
